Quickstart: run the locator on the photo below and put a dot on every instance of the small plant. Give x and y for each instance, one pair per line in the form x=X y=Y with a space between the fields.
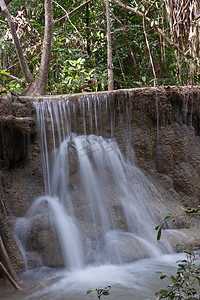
x=100 y=291
x=182 y=284
x=187 y=277
x=190 y=211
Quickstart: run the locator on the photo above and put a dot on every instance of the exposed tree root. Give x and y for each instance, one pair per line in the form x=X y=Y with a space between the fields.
x=6 y=260
x=9 y=277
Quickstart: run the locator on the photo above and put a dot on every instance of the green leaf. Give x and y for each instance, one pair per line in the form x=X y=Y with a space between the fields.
x=144 y=78
x=163 y=292
x=168 y=216
x=163 y=276
x=90 y=291
x=106 y=293
x=159 y=233
x=180 y=247
x=173 y=278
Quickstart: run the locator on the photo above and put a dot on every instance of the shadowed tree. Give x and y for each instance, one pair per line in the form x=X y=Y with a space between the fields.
x=109 y=50
x=38 y=86
x=184 y=21
x=183 y=36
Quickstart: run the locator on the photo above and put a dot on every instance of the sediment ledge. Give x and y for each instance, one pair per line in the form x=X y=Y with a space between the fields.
x=19 y=111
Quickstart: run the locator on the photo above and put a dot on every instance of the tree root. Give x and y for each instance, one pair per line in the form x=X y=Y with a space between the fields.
x=9 y=277
x=7 y=266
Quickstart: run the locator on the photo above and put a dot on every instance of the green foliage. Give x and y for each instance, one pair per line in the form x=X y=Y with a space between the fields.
x=183 y=283
x=76 y=77
x=79 y=52
x=189 y=211
x=100 y=291
x=9 y=84
x=159 y=228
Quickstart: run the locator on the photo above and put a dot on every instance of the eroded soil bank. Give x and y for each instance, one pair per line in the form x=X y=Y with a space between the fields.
x=164 y=130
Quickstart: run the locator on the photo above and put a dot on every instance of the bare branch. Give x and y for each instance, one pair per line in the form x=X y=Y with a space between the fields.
x=111 y=12
x=18 y=80
x=150 y=7
x=71 y=12
x=96 y=29
x=120 y=64
x=67 y=16
x=23 y=63
x=149 y=50
x=117 y=19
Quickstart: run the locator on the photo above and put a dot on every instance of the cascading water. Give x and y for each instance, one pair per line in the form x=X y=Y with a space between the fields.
x=102 y=207
x=98 y=213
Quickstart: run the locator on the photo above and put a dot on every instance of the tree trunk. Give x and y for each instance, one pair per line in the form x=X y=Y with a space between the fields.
x=88 y=30
x=23 y=63
x=7 y=2
x=38 y=87
x=109 y=50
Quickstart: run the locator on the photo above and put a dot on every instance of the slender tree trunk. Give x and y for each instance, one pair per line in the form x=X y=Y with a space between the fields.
x=38 y=87
x=88 y=30
x=149 y=50
x=23 y=63
x=7 y=2
x=109 y=50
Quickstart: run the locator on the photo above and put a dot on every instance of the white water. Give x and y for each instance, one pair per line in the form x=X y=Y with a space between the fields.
x=102 y=206
x=133 y=281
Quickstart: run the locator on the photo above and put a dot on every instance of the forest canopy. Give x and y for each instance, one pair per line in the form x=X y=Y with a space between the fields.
x=57 y=47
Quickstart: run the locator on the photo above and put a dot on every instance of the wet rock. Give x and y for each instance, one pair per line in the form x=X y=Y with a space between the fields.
x=123 y=247
x=44 y=240
x=186 y=178
x=162 y=125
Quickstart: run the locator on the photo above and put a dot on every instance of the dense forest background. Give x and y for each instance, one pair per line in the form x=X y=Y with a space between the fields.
x=154 y=42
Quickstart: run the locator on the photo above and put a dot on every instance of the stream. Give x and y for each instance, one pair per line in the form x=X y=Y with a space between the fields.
x=134 y=281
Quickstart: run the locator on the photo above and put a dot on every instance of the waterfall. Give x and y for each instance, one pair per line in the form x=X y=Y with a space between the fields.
x=100 y=204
